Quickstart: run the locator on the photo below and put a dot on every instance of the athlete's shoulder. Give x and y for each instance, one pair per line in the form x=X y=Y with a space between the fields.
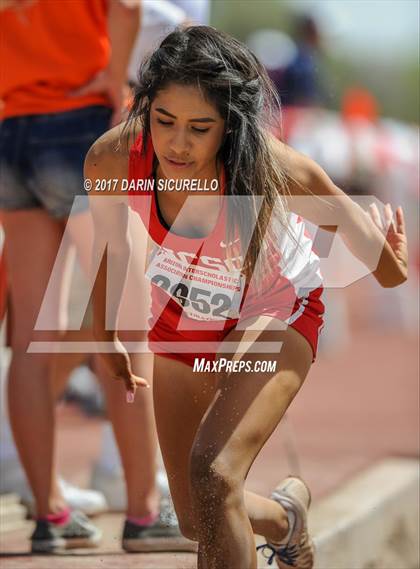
x=109 y=154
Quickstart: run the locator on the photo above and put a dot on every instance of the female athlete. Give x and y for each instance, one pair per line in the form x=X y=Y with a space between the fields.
x=234 y=282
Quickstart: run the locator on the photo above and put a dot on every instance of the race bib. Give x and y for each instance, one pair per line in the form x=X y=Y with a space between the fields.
x=205 y=293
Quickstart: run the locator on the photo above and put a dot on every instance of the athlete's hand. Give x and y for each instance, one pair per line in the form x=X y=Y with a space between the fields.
x=104 y=82
x=119 y=366
x=395 y=233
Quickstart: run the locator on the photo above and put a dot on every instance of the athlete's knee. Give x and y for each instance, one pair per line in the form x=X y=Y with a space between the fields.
x=212 y=480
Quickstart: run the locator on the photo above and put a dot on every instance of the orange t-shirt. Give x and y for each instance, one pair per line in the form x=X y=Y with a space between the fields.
x=48 y=49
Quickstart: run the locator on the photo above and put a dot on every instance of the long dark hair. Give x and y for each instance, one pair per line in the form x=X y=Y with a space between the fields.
x=230 y=77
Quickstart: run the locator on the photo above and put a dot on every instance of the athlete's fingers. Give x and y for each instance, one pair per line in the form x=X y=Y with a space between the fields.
x=135 y=381
x=389 y=218
x=376 y=216
x=140 y=381
x=131 y=385
x=399 y=214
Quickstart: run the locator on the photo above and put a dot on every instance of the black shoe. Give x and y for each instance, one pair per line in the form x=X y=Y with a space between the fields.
x=78 y=532
x=163 y=535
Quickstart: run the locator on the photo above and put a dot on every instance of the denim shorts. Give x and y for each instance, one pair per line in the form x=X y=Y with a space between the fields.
x=41 y=159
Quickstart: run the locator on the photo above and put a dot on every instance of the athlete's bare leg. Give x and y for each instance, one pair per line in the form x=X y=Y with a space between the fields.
x=207 y=471
x=133 y=424
x=135 y=434
x=63 y=364
x=32 y=240
x=178 y=414
x=239 y=421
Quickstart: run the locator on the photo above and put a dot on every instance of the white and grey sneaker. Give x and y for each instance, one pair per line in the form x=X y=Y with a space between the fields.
x=163 y=535
x=13 y=480
x=296 y=549
x=90 y=502
x=78 y=532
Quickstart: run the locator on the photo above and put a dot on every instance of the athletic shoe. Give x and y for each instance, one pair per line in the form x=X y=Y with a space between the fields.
x=90 y=502
x=297 y=549
x=163 y=535
x=52 y=538
x=13 y=481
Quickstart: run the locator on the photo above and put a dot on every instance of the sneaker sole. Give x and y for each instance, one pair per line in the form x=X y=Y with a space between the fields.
x=60 y=544
x=90 y=512
x=146 y=545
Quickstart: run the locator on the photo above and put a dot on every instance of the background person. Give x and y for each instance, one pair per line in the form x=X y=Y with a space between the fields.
x=53 y=109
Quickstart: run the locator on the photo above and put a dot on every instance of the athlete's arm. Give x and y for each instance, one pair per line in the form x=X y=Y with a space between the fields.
x=314 y=196
x=107 y=160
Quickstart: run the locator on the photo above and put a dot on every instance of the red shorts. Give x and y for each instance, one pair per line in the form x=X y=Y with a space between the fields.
x=306 y=318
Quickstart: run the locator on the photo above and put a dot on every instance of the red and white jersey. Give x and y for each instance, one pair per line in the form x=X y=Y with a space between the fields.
x=197 y=285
